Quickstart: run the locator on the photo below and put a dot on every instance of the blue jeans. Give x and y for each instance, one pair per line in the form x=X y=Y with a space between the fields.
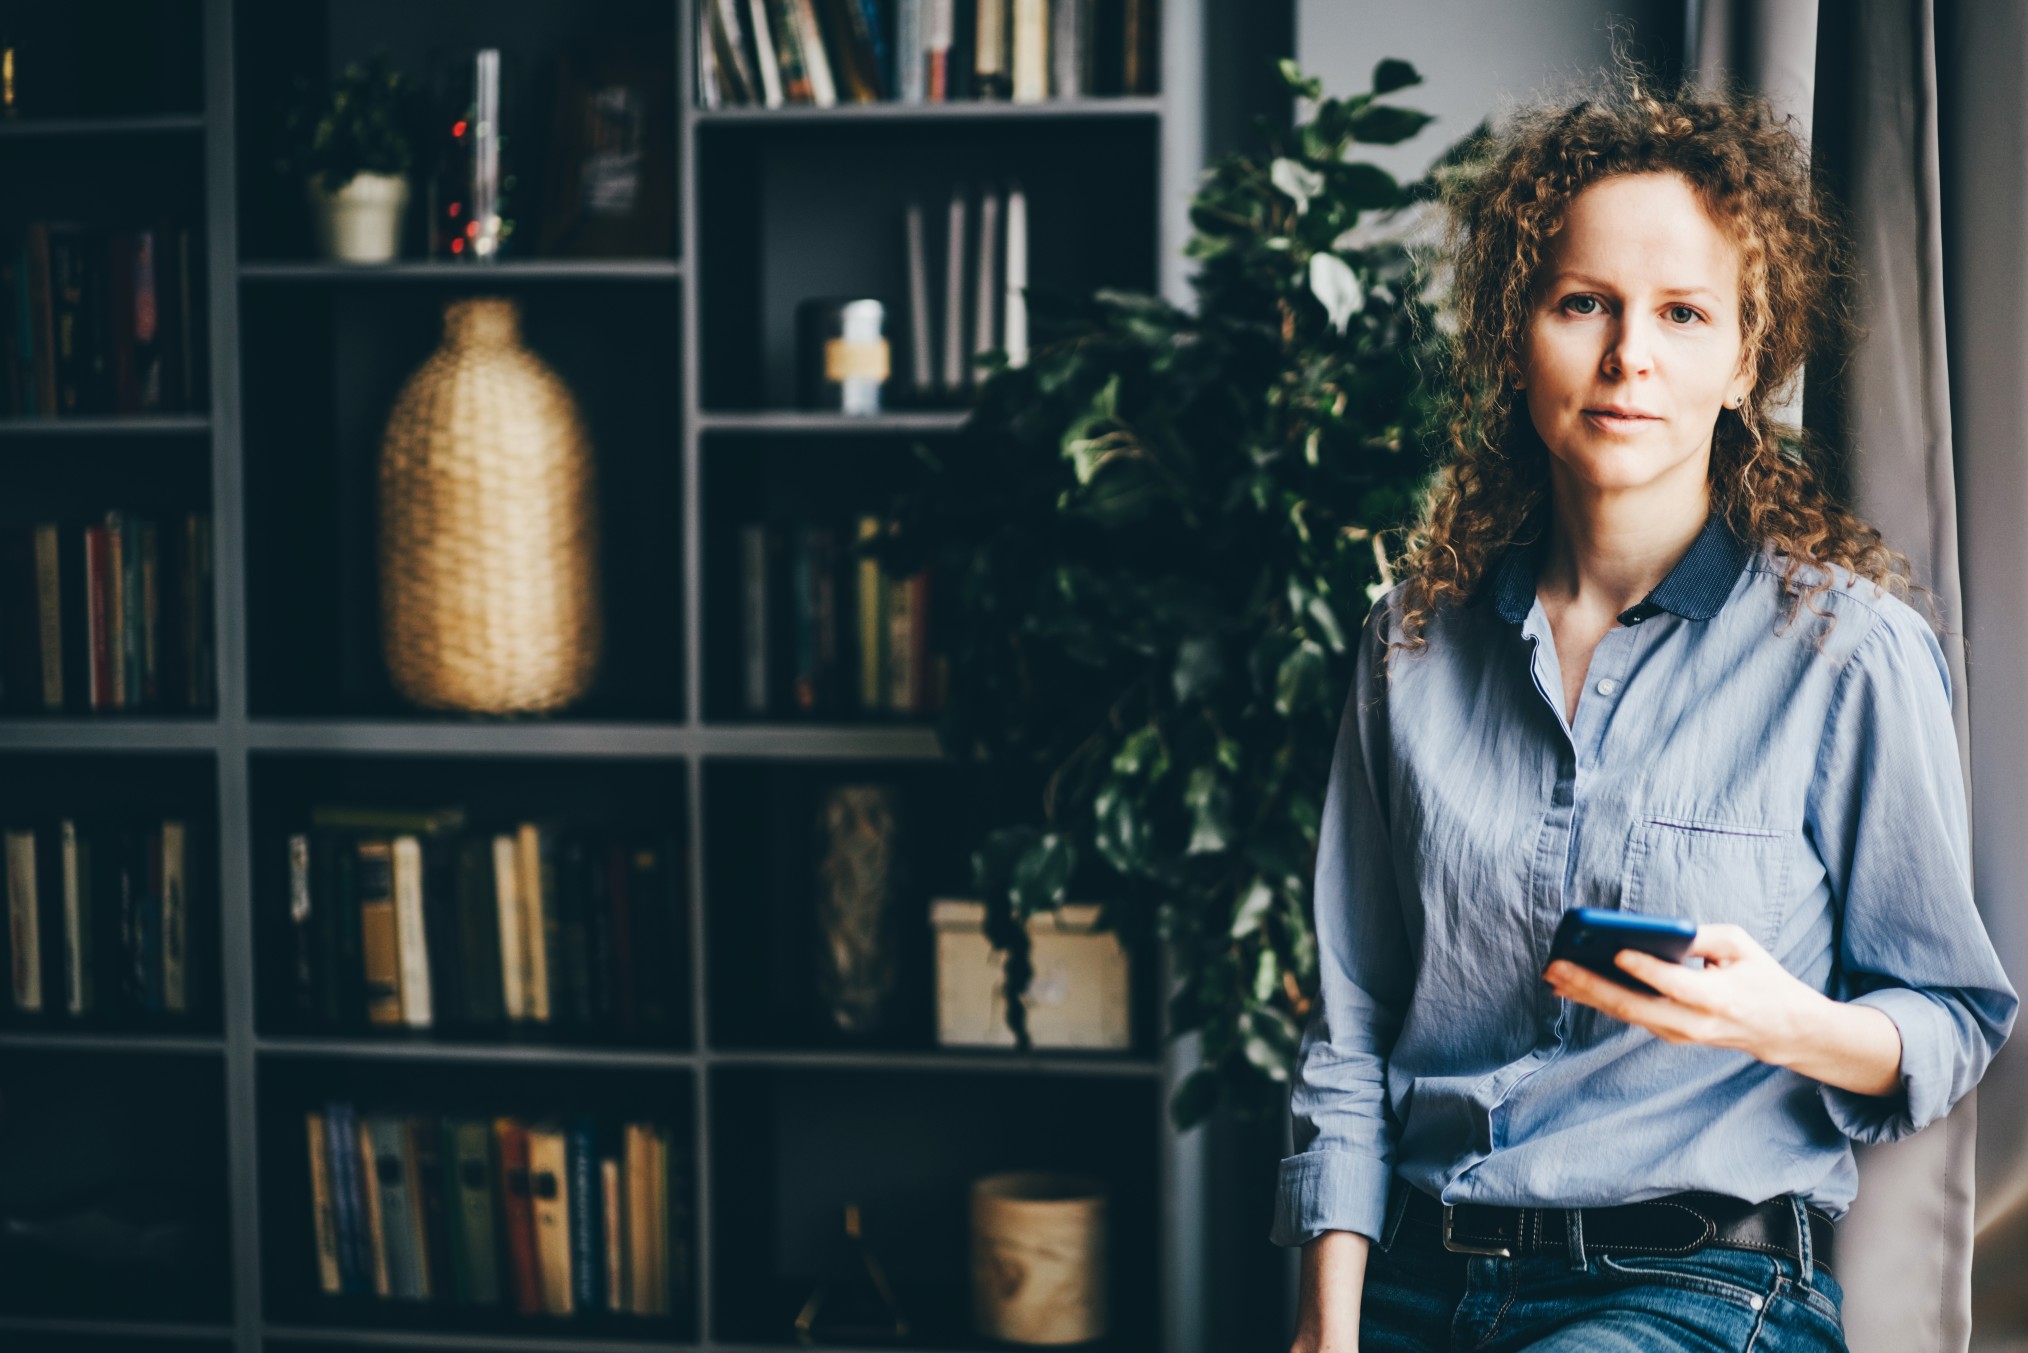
x=1421 y=1298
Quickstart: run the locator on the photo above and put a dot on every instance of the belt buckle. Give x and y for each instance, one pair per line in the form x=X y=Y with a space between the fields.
x=1456 y=1246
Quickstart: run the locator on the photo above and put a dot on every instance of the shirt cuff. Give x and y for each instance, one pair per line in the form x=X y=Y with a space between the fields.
x=1329 y=1191
x=1925 y=1092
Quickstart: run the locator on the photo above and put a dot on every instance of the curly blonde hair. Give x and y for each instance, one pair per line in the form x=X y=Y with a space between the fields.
x=1752 y=173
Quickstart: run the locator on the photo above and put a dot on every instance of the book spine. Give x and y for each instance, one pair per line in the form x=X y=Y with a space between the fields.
x=549 y=1191
x=823 y=88
x=130 y=611
x=612 y=1213
x=1031 y=50
x=77 y=932
x=417 y=1010
x=426 y=1186
x=767 y=62
x=24 y=932
x=513 y=930
x=587 y=1285
x=796 y=86
x=175 y=918
x=535 y=850
x=1014 y=341
x=479 y=1213
x=373 y=1214
x=49 y=613
x=939 y=31
x=302 y=920
x=900 y=634
x=478 y=932
x=324 y=1218
x=955 y=376
x=150 y=615
x=342 y=1152
x=872 y=623
x=379 y=932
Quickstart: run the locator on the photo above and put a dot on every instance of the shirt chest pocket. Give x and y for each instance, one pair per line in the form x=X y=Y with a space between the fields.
x=1709 y=872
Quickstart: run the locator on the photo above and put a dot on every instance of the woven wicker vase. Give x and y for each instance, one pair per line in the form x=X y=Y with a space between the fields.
x=489 y=584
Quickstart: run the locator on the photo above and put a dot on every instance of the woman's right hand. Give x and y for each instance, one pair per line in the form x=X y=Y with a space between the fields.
x=1327 y=1302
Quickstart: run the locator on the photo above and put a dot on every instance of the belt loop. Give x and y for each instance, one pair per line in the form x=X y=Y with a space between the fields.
x=1805 y=1261
x=1573 y=1232
x=1397 y=1208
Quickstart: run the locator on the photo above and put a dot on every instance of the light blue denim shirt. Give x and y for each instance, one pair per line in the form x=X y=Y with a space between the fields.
x=1716 y=770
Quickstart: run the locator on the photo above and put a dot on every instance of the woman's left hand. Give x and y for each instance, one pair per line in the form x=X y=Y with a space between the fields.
x=1741 y=998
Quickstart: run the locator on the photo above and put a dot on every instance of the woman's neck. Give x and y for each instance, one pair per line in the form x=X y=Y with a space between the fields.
x=1608 y=551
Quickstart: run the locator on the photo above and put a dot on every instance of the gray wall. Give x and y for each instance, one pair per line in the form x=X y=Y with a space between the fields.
x=1476 y=56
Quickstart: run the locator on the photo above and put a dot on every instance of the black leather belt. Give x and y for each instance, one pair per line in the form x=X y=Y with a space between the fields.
x=1681 y=1223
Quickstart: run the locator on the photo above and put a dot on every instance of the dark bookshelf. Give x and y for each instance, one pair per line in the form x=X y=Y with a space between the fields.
x=682 y=362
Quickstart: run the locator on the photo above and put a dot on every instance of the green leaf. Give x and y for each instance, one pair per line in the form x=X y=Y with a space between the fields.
x=1209 y=800
x=1293 y=77
x=1392 y=74
x=1384 y=125
x=1299 y=677
x=1200 y=665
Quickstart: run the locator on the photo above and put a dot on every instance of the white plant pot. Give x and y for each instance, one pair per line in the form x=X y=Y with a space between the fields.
x=360 y=222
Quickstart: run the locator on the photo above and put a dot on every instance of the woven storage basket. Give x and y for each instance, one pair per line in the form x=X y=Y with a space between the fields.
x=489 y=583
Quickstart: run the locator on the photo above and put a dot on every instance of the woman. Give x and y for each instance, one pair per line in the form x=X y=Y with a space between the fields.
x=1641 y=660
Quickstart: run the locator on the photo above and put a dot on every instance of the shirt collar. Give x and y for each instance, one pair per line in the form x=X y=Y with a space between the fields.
x=1694 y=589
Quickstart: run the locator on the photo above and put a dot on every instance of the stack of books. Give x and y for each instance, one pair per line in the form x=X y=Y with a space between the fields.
x=100 y=321
x=113 y=614
x=404 y=919
x=826 y=52
x=98 y=921
x=824 y=632
x=546 y=1217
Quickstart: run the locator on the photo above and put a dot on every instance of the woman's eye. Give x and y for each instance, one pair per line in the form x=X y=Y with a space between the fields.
x=1683 y=314
x=1581 y=305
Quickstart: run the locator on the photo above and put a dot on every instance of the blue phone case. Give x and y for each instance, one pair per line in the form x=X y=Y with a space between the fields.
x=1590 y=936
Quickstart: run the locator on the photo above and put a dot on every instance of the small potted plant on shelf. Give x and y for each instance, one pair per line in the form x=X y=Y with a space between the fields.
x=351 y=145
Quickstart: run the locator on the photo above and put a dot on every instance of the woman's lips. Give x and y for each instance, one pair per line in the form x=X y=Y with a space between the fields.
x=1608 y=421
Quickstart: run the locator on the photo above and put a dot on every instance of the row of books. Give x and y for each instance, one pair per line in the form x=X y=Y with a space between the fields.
x=114 y=614
x=824 y=631
x=540 y=1217
x=408 y=919
x=976 y=301
x=96 y=320
x=98 y=919
x=824 y=52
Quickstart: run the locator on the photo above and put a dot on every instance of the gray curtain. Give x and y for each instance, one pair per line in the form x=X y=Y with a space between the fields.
x=1935 y=201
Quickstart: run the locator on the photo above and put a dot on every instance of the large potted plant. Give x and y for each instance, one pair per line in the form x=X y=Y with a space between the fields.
x=1161 y=535
x=351 y=147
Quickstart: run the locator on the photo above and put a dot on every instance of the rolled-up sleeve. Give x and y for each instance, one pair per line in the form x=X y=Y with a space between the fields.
x=1887 y=811
x=1344 y=1133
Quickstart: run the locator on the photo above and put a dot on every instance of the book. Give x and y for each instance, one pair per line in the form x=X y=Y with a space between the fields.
x=513 y=928
x=412 y=943
x=535 y=858
x=730 y=50
x=379 y=931
x=174 y=888
x=24 y=921
x=991 y=74
x=474 y=1218
x=986 y=280
x=585 y=1230
x=955 y=374
x=49 y=614
x=393 y=1177
x=767 y=63
x=517 y=1215
x=754 y=550
x=872 y=622
x=303 y=916
x=939 y=34
x=796 y=85
x=426 y=1187
x=612 y=1215
x=816 y=60
x=1014 y=340
x=79 y=986
x=1070 y=48
x=374 y=1215
x=323 y=1208
x=549 y=1194
x=1031 y=50
x=478 y=933
x=921 y=341
x=857 y=54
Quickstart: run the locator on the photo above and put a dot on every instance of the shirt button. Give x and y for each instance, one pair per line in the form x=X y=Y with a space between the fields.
x=1607 y=686
x=1754 y=1301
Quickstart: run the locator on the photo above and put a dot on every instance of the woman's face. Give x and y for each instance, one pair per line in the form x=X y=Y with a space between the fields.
x=1634 y=345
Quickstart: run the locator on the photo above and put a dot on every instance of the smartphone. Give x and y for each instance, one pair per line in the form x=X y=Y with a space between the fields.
x=1590 y=936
